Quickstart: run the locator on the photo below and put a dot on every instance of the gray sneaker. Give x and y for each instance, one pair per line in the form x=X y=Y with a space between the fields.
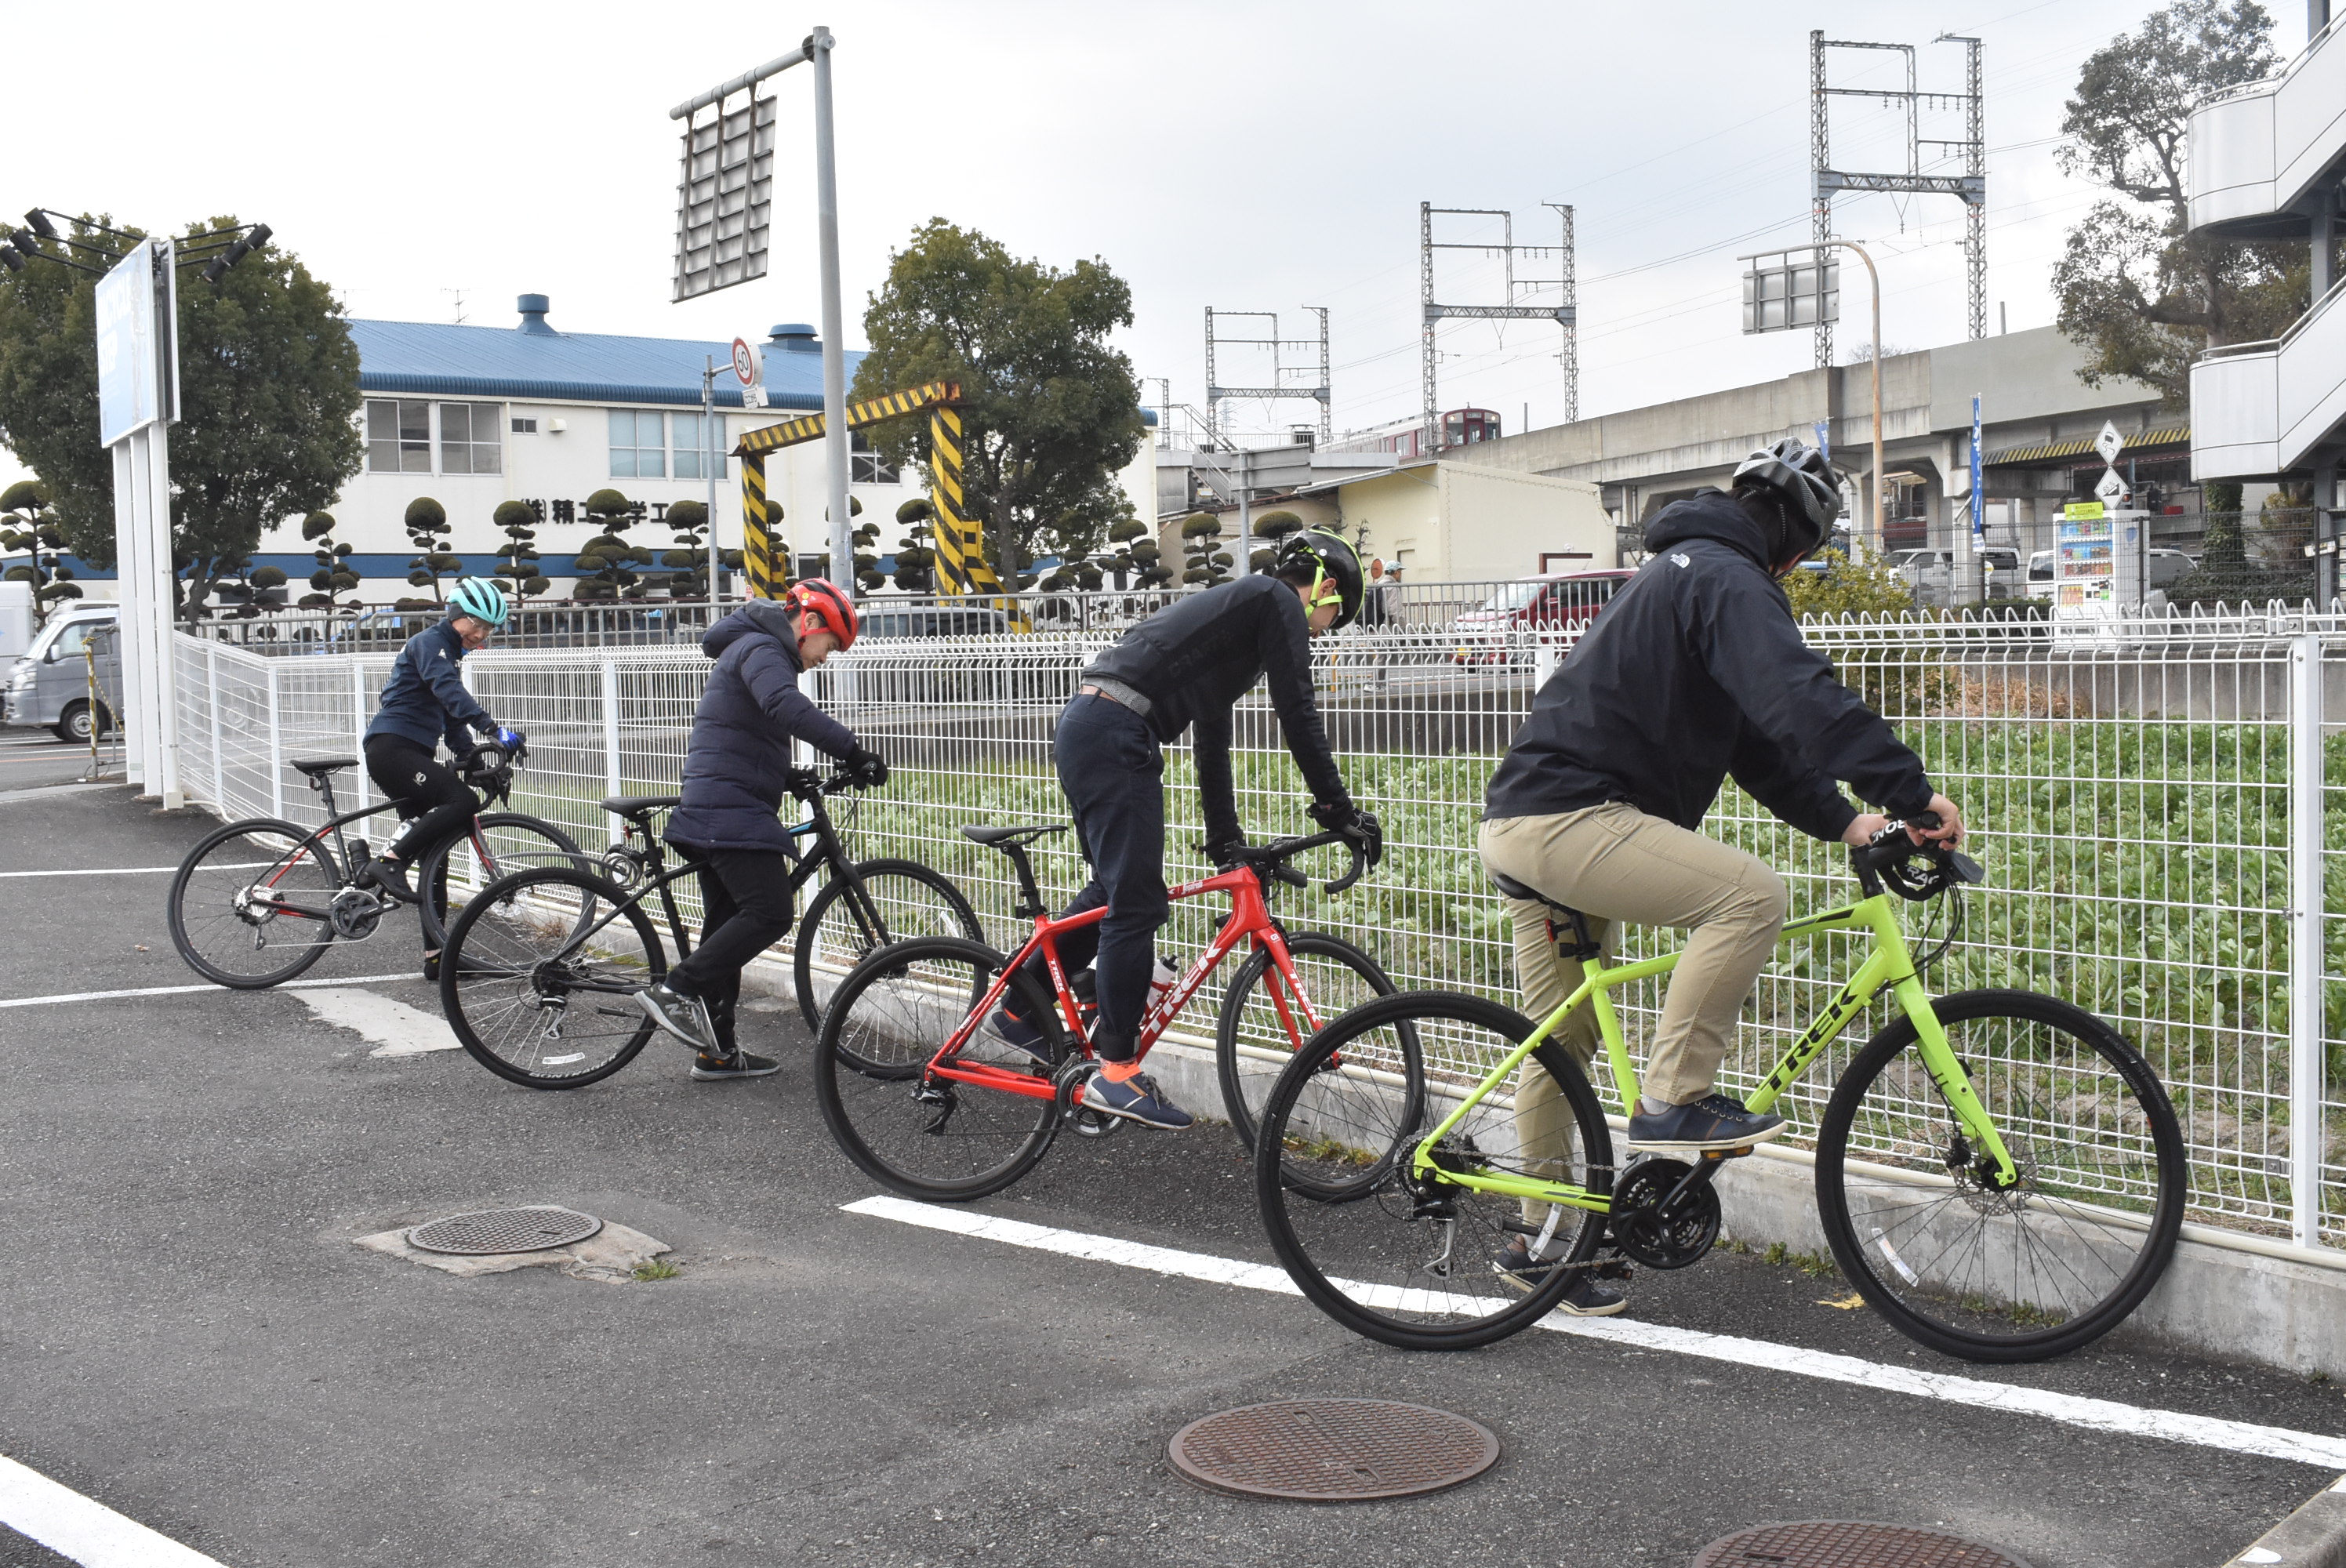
x=740 y=1064
x=685 y=1017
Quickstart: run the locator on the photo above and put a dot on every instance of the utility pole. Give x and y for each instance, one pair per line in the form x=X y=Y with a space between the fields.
x=1565 y=313
x=1280 y=386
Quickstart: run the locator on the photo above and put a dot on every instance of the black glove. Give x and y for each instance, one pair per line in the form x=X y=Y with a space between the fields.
x=1223 y=853
x=1360 y=829
x=866 y=769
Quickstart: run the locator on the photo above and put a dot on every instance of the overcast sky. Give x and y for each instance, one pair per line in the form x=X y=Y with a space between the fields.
x=1257 y=156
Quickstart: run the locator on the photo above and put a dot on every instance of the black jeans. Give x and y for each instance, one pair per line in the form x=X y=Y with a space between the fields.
x=1113 y=775
x=747 y=911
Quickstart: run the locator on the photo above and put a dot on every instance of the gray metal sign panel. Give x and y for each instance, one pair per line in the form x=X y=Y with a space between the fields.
x=725 y=196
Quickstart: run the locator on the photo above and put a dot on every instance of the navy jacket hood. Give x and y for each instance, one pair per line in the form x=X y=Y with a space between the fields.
x=738 y=767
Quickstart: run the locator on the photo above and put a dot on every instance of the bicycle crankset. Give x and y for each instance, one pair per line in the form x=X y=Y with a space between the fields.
x=1086 y=1124
x=354 y=913
x=1657 y=1229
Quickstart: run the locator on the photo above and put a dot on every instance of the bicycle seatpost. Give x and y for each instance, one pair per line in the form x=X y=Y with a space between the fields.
x=1030 y=896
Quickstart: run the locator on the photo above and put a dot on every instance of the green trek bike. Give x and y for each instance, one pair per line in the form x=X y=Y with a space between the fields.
x=1998 y=1171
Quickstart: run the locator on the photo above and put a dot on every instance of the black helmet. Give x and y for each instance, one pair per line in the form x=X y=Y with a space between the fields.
x=1796 y=476
x=1334 y=566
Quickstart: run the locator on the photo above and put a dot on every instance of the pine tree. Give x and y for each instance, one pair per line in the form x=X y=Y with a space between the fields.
x=607 y=562
x=22 y=528
x=428 y=530
x=916 y=553
x=335 y=576
x=517 y=557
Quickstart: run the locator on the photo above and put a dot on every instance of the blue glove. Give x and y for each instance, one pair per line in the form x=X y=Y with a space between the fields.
x=511 y=740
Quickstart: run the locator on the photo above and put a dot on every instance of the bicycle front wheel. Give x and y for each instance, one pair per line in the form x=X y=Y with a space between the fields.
x=249 y=906
x=910 y=1119
x=902 y=899
x=1419 y=1260
x=539 y=975
x=1263 y=1022
x=1914 y=1211
x=499 y=844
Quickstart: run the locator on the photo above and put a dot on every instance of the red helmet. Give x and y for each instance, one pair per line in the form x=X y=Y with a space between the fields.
x=823 y=607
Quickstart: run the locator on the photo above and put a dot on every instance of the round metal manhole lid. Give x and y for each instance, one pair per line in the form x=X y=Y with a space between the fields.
x=493 y=1230
x=1849 y=1544
x=1332 y=1450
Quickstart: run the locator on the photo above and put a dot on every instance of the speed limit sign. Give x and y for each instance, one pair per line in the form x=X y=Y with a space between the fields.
x=748 y=363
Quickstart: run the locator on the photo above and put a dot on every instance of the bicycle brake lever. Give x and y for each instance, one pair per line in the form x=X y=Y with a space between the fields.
x=1966 y=870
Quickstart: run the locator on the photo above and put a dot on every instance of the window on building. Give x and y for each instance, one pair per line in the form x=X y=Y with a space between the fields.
x=864 y=465
x=469 y=442
x=399 y=436
x=688 y=438
x=638 y=444
x=525 y=426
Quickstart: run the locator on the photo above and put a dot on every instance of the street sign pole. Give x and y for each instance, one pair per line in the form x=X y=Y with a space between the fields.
x=835 y=326
x=137 y=371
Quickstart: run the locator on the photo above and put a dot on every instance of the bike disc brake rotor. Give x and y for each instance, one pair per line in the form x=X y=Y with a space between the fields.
x=1658 y=1240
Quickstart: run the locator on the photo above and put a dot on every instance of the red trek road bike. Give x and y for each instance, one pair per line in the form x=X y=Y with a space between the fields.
x=923 y=1098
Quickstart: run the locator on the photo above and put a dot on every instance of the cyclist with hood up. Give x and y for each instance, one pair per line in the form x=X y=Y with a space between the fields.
x=1695 y=671
x=736 y=773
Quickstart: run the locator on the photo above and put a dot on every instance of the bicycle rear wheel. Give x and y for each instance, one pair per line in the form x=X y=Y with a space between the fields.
x=539 y=975
x=907 y=900
x=923 y=1135
x=1917 y=1223
x=1254 y=1043
x=248 y=907
x=499 y=844
x=1418 y=1262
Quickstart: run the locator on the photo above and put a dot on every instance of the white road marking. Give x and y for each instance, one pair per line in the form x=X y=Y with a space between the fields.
x=48 y=789
x=2070 y=1410
x=189 y=989
x=115 y=871
x=396 y=1029
x=89 y=1533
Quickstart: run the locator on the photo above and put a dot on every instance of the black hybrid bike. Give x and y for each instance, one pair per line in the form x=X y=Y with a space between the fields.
x=540 y=971
x=259 y=902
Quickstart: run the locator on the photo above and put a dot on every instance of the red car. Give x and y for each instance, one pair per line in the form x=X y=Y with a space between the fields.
x=1551 y=602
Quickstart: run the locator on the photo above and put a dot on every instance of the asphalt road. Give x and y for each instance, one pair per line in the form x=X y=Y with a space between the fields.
x=188 y=1336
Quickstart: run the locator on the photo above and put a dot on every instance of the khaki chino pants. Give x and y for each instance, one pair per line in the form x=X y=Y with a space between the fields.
x=1613 y=864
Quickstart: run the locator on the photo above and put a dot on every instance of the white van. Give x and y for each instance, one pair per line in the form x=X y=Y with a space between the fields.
x=50 y=682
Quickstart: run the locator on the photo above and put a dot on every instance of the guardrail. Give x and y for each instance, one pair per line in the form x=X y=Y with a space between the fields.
x=2152 y=799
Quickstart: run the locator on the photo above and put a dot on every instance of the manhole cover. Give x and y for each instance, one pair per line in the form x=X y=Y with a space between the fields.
x=504 y=1230
x=1332 y=1450
x=1847 y=1543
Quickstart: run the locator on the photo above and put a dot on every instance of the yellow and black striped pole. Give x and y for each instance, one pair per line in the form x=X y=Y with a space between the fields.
x=757 y=538
x=959 y=558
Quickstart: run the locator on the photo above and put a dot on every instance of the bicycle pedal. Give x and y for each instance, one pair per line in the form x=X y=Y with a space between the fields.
x=1729 y=1154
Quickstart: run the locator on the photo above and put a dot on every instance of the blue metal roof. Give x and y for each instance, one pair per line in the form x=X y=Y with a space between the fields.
x=438 y=360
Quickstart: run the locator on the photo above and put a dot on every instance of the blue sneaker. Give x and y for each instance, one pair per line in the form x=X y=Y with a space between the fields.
x=1137 y=1099
x=1713 y=1121
x=1584 y=1297
x=1007 y=1028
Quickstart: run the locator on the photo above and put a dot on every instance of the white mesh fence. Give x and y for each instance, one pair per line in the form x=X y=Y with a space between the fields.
x=2129 y=787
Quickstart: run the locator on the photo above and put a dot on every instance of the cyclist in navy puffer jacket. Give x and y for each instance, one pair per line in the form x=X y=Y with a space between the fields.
x=736 y=774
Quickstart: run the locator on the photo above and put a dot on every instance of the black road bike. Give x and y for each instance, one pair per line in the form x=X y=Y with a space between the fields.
x=539 y=975
x=258 y=902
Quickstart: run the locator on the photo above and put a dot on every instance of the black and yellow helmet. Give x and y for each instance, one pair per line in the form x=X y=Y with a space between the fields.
x=1334 y=566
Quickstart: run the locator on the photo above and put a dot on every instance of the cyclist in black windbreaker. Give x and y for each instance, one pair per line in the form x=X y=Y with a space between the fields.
x=1185 y=668
x=1695 y=670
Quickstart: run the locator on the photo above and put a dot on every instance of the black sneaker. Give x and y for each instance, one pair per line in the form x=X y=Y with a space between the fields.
x=685 y=1017
x=430 y=966
x=388 y=876
x=1584 y=1297
x=1713 y=1121
x=712 y=1069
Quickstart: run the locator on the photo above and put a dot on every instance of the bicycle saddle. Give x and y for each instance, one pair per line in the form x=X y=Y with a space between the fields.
x=1584 y=947
x=999 y=837
x=636 y=806
x=318 y=766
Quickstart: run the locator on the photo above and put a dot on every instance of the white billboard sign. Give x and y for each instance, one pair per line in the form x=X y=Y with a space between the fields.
x=725 y=198
x=138 y=350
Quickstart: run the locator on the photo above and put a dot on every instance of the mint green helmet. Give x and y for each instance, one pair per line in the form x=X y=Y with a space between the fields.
x=481 y=599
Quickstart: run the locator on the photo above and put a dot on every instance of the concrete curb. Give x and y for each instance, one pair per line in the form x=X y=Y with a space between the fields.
x=2313 y=1537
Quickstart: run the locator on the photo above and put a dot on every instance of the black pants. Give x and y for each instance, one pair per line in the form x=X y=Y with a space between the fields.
x=433 y=801
x=1113 y=775
x=746 y=910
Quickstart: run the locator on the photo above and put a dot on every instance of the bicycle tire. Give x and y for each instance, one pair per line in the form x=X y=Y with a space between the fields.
x=515 y=955
x=816 y=943
x=871 y=1062
x=1250 y=1052
x=312 y=937
x=1376 y=1258
x=507 y=834
x=1919 y=1190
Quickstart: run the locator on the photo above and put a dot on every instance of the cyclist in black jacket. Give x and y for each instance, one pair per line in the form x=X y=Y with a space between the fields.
x=1694 y=671
x=1185 y=668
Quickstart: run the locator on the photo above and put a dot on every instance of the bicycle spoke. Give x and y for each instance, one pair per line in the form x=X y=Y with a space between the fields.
x=229 y=909
x=539 y=980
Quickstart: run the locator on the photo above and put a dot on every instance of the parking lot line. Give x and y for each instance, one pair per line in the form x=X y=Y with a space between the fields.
x=111 y=871
x=91 y=1533
x=188 y=990
x=2070 y=1410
